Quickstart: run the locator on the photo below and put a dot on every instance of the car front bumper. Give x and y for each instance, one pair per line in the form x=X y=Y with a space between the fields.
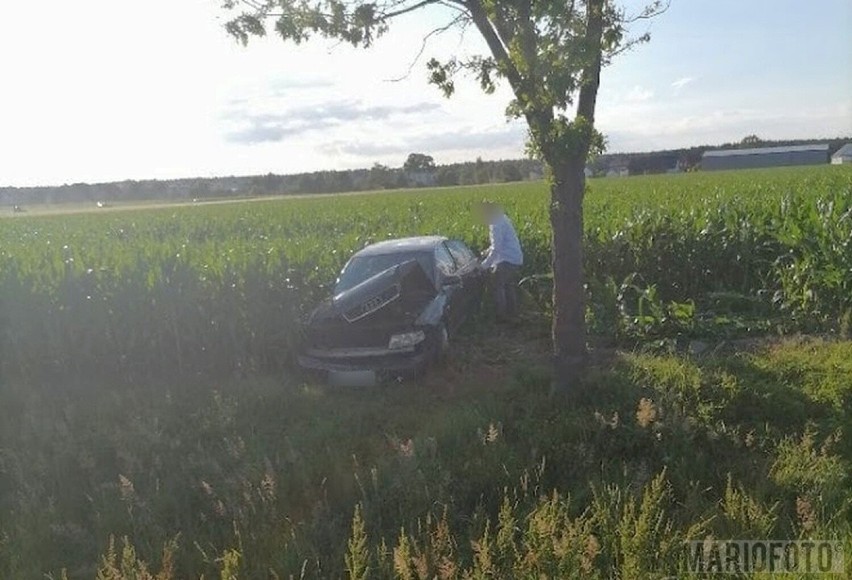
x=381 y=361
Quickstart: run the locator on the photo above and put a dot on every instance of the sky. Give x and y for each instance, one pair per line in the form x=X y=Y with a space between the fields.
x=106 y=90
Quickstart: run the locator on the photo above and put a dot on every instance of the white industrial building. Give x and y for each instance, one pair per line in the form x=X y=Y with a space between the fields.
x=765 y=157
x=843 y=155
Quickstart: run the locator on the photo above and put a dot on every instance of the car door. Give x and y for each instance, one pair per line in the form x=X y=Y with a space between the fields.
x=452 y=285
x=467 y=268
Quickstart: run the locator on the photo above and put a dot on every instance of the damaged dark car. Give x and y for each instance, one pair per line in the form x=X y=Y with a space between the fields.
x=395 y=307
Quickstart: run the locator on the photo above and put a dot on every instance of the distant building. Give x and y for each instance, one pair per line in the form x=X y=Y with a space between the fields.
x=843 y=155
x=765 y=157
x=618 y=166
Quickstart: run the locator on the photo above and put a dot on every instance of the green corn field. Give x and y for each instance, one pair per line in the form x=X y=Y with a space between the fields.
x=153 y=424
x=225 y=287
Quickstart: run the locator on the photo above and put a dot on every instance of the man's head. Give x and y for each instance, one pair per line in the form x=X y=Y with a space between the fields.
x=488 y=211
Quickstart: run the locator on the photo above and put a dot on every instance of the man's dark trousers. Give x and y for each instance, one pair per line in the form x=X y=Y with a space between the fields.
x=505 y=286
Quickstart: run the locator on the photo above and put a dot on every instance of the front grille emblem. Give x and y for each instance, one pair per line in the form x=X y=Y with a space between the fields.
x=372 y=305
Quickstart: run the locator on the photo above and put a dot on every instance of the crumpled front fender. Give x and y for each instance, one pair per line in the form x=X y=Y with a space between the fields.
x=433 y=314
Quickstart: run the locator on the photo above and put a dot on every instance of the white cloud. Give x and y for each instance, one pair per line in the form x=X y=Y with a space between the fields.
x=680 y=83
x=449 y=141
x=639 y=94
x=689 y=126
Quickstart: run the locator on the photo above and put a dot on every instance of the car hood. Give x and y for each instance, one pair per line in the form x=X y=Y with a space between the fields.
x=396 y=284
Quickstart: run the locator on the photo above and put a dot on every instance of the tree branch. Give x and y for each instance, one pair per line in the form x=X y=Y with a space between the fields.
x=502 y=26
x=459 y=19
x=591 y=78
x=393 y=14
x=651 y=11
x=495 y=45
x=529 y=42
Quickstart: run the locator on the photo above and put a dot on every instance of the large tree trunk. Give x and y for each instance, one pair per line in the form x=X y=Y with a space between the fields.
x=569 y=301
x=566 y=218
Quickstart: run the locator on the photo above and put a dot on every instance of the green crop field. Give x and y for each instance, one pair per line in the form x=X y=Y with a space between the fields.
x=148 y=392
x=192 y=288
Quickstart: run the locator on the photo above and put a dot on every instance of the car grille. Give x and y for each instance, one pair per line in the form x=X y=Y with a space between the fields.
x=372 y=305
x=370 y=330
x=341 y=334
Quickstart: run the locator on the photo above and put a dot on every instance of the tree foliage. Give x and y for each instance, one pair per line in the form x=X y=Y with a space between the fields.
x=546 y=50
x=751 y=140
x=419 y=162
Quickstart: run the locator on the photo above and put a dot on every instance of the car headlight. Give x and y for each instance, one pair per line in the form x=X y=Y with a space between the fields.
x=406 y=340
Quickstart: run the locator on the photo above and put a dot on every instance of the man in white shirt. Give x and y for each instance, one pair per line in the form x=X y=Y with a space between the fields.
x=503 y=259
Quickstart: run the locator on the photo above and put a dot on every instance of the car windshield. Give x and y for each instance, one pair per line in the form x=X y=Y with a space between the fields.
x=361 y=268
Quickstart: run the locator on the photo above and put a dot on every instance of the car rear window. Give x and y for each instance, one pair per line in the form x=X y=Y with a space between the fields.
x=361 y=268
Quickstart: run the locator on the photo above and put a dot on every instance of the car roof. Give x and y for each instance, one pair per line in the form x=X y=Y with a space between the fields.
x=416 y=244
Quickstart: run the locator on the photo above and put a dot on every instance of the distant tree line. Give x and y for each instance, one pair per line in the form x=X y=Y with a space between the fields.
x=419 y=170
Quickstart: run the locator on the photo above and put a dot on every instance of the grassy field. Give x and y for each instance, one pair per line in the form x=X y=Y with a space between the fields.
x=148 y=394
x=192 y=289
